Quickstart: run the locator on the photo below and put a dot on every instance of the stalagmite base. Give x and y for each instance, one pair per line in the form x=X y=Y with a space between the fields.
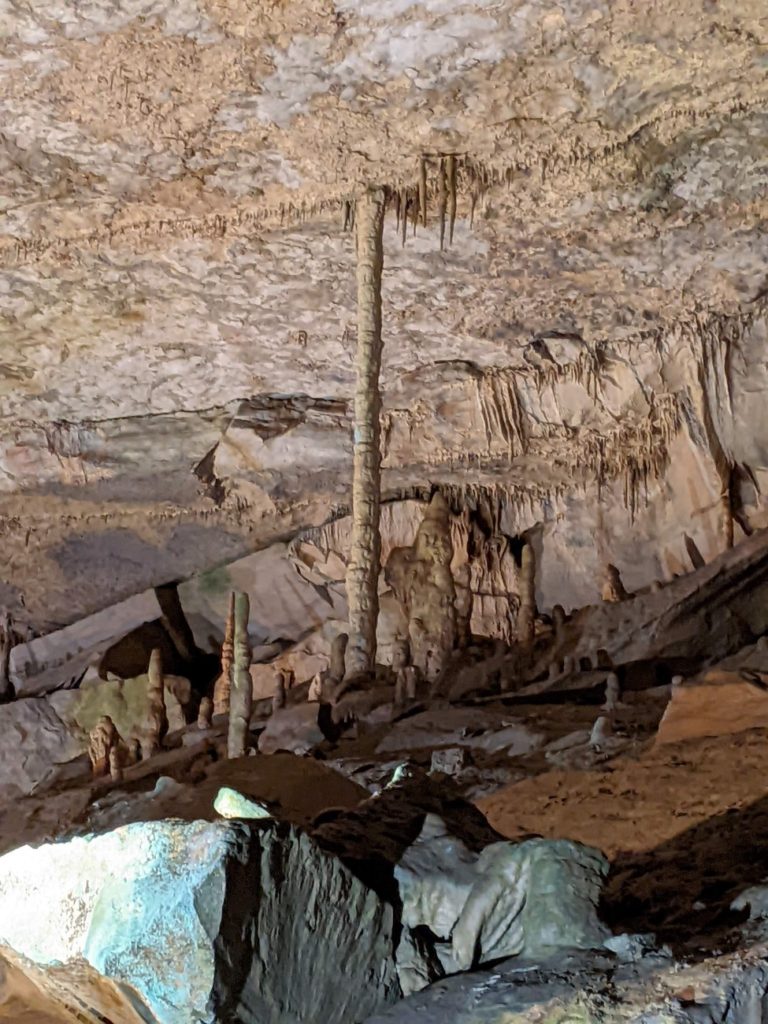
x=241 y=694
x=365 y=554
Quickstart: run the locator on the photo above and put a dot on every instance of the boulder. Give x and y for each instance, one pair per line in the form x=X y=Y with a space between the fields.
x=294 y=729
x=199 y=922
x=36 y=739
x=231 y=804
x=529 y=899
x=450 y=761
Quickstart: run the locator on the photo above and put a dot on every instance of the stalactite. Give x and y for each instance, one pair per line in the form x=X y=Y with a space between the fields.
x=365 y=550
x=451 y=171
x=423 y=191
x=500 y=410
x=442 y=200
x=241 y=697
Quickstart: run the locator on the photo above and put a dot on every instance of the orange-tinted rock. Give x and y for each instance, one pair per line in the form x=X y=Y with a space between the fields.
x=717 y=703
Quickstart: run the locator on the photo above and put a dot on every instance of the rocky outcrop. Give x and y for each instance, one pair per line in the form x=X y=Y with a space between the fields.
x=198 y=921
x=587 y=989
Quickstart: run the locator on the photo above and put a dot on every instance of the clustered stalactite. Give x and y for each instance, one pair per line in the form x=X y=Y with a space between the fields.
x=365 y=552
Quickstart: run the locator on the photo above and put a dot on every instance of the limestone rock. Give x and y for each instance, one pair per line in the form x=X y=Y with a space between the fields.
x=294 y=729
x=200 y=921
x=714 y=704
x=231 y=804
x=36 y=739
x=125 y=701
x=450 y=761
x=463 y=727
x=529 y=898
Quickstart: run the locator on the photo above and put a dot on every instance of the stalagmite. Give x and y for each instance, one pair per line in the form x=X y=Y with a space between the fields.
x=338 y=654
x=727 y=517
x=526 y=615
x=613 y=589
x=157 y=720
x=406 y=683
x=602 y=731
x=612 y=692
x=280 y=695
x=116 y=763
x=421 y=578
x=365 y=552
x=558 y=619
x=568 y=665
x=554 y=671
x=241 y=694
x=315 y=694
x=103 y=737
x=401 y=653
x=224 y=682
x=411 y=674
x=205 y=713
x=399 y=699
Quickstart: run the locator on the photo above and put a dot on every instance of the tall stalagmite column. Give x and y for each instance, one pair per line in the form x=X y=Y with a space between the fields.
x=365 y=554
x=526 y=616
x=241 y=696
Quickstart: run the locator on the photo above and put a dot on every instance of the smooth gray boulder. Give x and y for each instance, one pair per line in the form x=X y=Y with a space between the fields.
x=200 y=923
x=511 y=899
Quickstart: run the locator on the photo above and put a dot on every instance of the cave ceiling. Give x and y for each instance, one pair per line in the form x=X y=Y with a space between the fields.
x=177 y=293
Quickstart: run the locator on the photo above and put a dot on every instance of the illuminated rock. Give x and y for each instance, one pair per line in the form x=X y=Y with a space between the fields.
x=200 y=922
x=231 y=804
